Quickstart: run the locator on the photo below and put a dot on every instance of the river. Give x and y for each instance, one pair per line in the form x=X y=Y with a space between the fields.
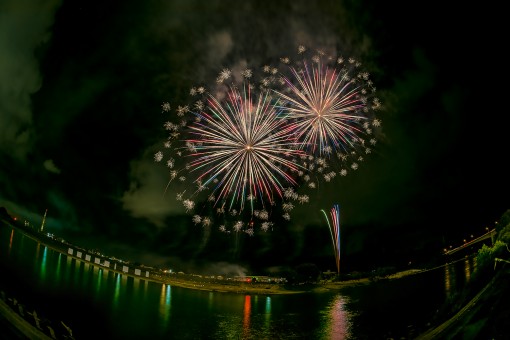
x=69 y=295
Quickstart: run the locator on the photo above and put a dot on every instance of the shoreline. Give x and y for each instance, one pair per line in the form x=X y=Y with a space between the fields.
x=206 y=284
x=190 y=281
x=223 y=286
x=18 y=325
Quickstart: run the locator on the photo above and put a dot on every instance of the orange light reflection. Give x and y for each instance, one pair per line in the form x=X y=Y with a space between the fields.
x=246 y=316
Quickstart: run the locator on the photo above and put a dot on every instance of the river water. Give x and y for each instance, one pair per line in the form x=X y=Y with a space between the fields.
x=98 y=303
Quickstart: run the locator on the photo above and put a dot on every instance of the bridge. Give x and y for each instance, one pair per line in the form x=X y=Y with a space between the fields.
x=490 y=234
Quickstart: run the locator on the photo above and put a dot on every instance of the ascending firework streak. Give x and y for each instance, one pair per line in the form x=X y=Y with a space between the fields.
x=334 y=229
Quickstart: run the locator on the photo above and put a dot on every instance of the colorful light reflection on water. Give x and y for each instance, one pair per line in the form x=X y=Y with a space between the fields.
x=127 y=307
x=336 y=319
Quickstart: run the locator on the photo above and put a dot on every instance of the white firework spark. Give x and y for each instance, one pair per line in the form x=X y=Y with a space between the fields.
x=244 y=144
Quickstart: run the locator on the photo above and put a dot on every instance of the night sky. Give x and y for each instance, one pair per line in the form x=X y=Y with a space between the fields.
x=81 y=89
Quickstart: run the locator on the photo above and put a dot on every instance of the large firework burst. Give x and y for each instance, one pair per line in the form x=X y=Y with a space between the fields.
x=242 y=148
x=233 y=153
x=246 y=149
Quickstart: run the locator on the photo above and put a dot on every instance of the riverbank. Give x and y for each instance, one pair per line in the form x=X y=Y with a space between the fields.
x=258 y=288
x=197 y=282
x=191 y=281
x=224 y=285
x=484 y=316
x=18 y=322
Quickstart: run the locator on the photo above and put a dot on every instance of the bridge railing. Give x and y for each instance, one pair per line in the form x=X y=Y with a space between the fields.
x=490 y=234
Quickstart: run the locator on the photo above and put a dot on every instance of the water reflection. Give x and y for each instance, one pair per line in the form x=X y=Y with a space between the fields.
x=246 y=316
x=116 y=294
x=78 y=268
x=145 y=288
x=68 y=268
x=467 y=269
x=89 y=275
x=43 y=264
x=10 y=244
x=210 y=300
x=98 y=272
x=59 y=263
x=267 y=313
x=136 y=287
x=123 y=278
x=129 y=308
x=164 y=304
x=336 y=319
x=457 y=274
x=449 y=279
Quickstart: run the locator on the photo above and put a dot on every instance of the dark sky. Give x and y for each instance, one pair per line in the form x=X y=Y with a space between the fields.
x=81 y=88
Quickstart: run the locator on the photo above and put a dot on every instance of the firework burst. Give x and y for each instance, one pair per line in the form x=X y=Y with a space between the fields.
x=330 y=104
x=234 y=151
x=242 y=148
x=248 y=150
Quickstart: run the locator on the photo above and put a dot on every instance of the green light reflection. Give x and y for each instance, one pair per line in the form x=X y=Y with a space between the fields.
x=210 y=301
x=43 y=263
x=78 y=268
x=99 y=273
x=164 y=306
x=68 y=268
x=117 y=291
x=267 y=314
x=145 y=288
x=136 y=287
x=59 y=262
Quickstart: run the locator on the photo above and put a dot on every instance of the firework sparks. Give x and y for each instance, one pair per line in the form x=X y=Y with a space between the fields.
x=246 y=149
x=324 y=107
x=331 y=110
x=234 y=151
x=246 y=145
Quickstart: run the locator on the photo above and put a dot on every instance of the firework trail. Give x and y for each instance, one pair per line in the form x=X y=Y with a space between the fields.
x=334 y=229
